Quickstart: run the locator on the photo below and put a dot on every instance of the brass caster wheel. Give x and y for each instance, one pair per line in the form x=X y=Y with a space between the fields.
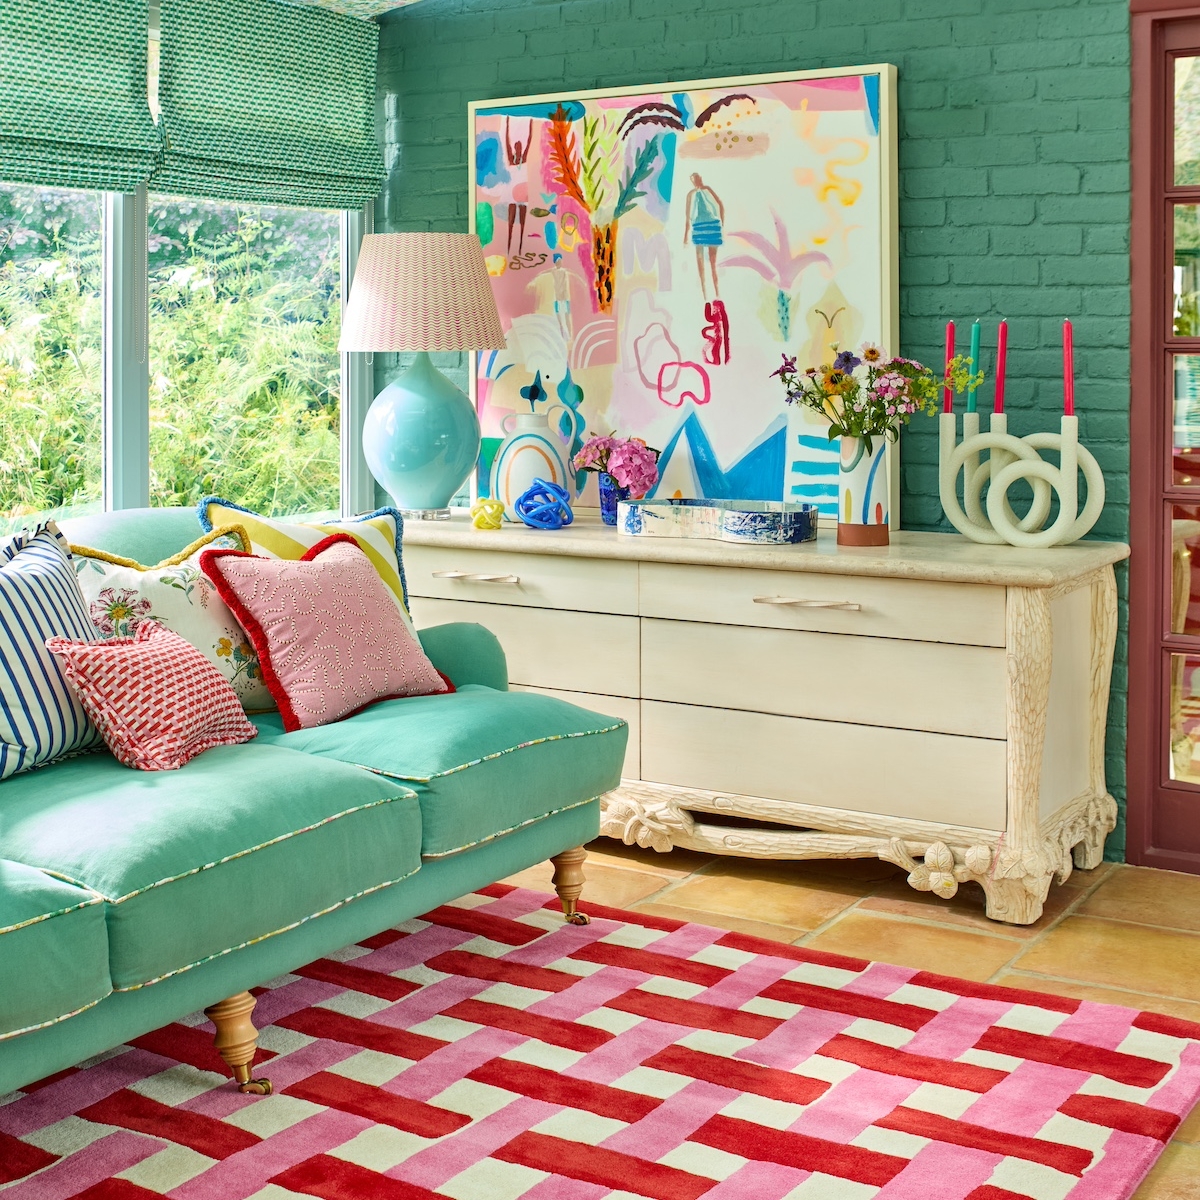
x=256 y=1087
x=578 y=918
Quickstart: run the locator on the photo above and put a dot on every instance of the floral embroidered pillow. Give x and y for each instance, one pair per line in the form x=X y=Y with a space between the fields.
x=122 y=594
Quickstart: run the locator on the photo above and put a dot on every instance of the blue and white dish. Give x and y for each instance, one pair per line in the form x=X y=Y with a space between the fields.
x=747 y=522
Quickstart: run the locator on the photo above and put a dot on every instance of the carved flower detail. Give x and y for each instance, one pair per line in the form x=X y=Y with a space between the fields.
x=936 y=873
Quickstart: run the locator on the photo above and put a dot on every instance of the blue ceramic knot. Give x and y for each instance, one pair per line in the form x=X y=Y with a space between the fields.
x=545 y=506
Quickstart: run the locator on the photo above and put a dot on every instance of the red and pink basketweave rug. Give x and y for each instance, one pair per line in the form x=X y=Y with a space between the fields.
x=490 y=1052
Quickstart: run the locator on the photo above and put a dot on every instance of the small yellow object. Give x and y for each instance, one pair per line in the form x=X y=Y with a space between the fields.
x=487 y=514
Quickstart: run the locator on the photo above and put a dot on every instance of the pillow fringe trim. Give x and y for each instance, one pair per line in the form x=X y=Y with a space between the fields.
x=117 y=561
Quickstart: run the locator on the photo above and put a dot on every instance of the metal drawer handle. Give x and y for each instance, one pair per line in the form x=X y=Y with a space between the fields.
x=476 y=577
x=788 y=602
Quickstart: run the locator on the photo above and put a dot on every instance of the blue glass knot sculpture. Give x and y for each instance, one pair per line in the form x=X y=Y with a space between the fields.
x=545 y=506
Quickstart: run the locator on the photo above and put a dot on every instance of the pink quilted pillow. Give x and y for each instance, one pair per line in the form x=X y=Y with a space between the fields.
x=327 y=631
x=156 y=700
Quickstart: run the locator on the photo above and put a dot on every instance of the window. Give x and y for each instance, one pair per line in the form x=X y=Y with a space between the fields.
x=244 y=368
x=50 y=352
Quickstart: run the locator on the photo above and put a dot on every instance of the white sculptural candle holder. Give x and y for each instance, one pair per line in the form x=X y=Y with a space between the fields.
x=992 y=520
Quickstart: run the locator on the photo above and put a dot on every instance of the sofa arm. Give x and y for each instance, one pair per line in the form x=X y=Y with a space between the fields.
x=467 y=653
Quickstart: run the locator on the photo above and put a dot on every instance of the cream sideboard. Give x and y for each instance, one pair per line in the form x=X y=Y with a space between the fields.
x=935 y=703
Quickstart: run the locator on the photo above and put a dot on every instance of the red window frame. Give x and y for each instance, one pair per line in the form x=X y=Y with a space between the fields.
x=1163 y=819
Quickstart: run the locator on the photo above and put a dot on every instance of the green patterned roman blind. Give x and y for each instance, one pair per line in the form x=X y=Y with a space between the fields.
x=267 y=102
x=73 y=109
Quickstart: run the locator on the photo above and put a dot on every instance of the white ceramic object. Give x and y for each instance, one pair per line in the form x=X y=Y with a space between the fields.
x=992 y=521
x=863 y=493
x=532 y=450
x=749 y=522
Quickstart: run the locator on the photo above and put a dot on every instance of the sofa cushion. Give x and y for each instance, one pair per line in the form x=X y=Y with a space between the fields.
x=40 y=716
x=379 y=535
x=121 y=594
x=482 y=762
x=157 y=701
x=240 y=844
x=326 y=630
x=53 y=941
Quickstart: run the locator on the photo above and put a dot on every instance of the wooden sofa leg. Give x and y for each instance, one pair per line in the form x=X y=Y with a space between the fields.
x=569 y=881
x=237 y=1040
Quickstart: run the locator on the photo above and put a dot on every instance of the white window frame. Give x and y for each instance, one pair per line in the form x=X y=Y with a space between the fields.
x=126 y=374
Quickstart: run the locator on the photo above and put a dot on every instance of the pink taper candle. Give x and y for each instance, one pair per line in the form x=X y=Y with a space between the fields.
x=948 y=391
x=1068 y=370
x=1001 y=361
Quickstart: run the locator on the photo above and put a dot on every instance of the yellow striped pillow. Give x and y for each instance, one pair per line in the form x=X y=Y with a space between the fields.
x=377 y=534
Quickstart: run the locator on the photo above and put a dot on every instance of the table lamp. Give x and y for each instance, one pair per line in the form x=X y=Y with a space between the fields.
x=421 y=291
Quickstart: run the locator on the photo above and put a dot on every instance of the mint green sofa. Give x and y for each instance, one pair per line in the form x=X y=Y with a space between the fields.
x=129 y=899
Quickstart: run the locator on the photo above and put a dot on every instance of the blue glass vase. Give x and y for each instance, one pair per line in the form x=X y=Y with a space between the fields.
x=611 y=493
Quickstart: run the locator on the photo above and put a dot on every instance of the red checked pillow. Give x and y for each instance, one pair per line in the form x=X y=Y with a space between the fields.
x=156 y=700
x=326 y=629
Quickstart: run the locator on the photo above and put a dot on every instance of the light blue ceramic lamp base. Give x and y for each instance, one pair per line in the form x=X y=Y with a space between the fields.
x=421 y=440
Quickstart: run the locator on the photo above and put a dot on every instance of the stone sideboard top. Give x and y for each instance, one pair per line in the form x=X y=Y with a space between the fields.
x=948 y=557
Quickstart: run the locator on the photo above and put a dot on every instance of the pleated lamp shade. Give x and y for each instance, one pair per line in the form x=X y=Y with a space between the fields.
x=421 y=291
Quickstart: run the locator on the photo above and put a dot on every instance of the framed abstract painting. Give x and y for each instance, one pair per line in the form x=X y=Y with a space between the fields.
x=654 y=251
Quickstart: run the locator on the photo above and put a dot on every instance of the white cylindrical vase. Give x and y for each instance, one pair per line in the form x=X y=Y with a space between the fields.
x=863 y=492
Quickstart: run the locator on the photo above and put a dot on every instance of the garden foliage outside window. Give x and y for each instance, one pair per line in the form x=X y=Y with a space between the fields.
x=50 y=352
x=244 y=368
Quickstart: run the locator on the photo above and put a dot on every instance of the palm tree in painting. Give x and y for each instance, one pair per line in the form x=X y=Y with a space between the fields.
x=778 y=266
x=592 y=177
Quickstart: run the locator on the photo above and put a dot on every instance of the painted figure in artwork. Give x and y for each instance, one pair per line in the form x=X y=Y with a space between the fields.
x=704 y=229
x=517 y=153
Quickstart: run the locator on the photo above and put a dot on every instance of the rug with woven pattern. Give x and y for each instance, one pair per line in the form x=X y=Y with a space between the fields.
x=487 y=1051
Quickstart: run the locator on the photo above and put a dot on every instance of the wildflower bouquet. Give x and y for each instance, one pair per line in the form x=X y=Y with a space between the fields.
x=869 y=395
x=630 y=462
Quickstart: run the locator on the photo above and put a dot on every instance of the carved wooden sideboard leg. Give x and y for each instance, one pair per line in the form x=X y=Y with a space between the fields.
x=1018 y=900
x=1089 y=853
x=568 y=882
x=237 y=1040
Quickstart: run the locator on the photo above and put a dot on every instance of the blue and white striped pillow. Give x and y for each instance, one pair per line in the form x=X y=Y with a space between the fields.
x=40 y=716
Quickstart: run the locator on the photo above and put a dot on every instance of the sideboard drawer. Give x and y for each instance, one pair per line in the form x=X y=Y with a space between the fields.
x=916 y=609
x=576 y=651
x=828 y=676
x=889 y=772
x=622 y=707
x=529 y=580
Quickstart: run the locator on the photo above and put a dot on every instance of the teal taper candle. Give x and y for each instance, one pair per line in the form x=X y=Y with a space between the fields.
x=974 y=365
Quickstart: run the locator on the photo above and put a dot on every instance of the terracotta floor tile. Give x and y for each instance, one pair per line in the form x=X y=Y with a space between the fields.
x=617 y=887
x=1189 y=1131
x=1174 y=1177
x=959 y=952
x=966 y=909
x=1187 y=1010
x=675 y=863
x=798 y=905
x=1149 y=897
x=1159 y=961
x=1085 y=879
x=762 y=929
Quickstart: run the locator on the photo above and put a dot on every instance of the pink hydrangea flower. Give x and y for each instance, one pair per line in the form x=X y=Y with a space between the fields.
x=594 y=455
x=634 y=466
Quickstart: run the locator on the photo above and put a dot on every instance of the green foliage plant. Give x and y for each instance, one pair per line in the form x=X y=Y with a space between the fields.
x=244 y=369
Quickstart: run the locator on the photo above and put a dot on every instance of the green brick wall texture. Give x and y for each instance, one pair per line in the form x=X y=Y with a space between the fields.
x=1014 y=172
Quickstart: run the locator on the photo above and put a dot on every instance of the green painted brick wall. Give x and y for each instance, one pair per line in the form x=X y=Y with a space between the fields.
x=1014 y=171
